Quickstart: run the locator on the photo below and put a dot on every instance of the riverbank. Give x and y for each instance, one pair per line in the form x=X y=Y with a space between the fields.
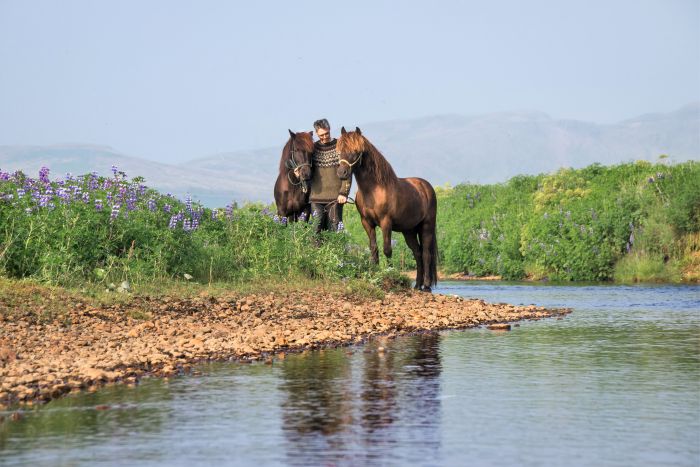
x=53 y=342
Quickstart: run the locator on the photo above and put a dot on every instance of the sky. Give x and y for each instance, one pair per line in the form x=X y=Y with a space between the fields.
x=177 y=80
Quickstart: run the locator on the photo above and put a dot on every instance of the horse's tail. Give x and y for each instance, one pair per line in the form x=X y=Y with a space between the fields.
x=433 y=260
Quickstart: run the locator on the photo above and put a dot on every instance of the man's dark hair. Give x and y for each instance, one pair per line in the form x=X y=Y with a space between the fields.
x=322 y=123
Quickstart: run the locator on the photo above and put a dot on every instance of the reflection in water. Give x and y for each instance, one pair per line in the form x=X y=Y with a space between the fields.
x=334 y=416
x=130 y=411
x=317 y=400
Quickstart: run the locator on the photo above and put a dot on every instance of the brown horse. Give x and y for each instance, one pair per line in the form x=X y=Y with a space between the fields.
x=292 y=192
x=406 y=205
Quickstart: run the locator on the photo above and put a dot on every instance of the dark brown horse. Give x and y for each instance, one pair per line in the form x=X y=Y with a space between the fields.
x=292 y=191
x=406 y=205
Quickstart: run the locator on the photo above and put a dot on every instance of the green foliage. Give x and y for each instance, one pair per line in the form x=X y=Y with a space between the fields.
x=570 y=225
x=108 y=230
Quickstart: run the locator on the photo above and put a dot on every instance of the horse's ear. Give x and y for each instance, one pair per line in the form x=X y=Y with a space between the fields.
x=291 y=133
x=342 y=131
x=357 y=130
x=311 y=133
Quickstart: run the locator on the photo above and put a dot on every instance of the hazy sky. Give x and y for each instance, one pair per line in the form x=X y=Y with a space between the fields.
x=174 y=80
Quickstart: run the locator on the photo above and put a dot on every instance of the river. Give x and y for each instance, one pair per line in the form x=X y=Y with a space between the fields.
x=617 y=382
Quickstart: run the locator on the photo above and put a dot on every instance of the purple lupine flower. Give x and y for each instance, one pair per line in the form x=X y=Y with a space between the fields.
x=69 y=177
x=44 y=200
x=151 y=204
x=188 y=203
x=99 y=205
x=115 y=211
x=44 y=175
x=86 y=197
x=341 y=226
x=4 y=176
x=302 y=216
x=20 y=193
x=51 y=206
x=174 y=220
x=229 y=211
x=283 y=221
x=276 y=218
x=265 y=212
x=214 y=213
x=167 y=208
x=186 y=226
x=195 y=223
x=115 y=170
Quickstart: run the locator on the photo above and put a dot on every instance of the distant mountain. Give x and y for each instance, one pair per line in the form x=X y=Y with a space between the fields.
x=447 y=148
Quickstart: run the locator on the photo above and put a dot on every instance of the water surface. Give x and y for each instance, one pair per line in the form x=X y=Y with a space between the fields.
x=617 y=382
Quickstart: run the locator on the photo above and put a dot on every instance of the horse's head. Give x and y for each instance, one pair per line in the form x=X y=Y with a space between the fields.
x=301 y=149
x=351 y=145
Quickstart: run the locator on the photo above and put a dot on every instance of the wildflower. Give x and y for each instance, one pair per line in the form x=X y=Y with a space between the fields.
x=229 y=211
x=341 y=226
x=20 y=193
x=266 y=212
x=44 y=175
x=86 y=197
x=115 y=170
x=115 y=211
x=276 y=218
x=188 y=203
x=167 y=208
x=195 y=223
x=394 y=242
x=28 y=211
x=650 y=179
x=186 y=226
x=302 y=217
x=283 y=221
x=174 y=220
x=98 y=205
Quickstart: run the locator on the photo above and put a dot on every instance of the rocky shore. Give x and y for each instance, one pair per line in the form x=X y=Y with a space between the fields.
x=43 y=356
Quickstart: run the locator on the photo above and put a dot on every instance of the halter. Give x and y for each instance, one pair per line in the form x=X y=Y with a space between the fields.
x=359 y=158
x=292 y=166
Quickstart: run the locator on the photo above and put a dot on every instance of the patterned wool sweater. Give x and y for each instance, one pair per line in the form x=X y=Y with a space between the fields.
x=325 y=184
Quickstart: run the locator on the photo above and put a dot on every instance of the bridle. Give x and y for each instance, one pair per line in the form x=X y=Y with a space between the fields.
x=292 y=165
x=359 y=158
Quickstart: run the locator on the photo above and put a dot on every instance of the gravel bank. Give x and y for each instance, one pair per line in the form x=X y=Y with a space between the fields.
x=86 y=347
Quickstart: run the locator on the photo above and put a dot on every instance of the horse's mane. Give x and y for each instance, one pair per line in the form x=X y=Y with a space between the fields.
x=303 y=141
x=373 y=160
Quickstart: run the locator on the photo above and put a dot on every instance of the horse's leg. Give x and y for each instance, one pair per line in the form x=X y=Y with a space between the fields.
x=386 y=235
x=428 y=244
x=371 y=234
x=411 y=238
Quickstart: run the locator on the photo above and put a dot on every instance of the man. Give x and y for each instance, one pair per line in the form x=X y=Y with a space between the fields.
x=328 y=193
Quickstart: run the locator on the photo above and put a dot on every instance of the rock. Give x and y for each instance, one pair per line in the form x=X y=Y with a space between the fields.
x=499 y=327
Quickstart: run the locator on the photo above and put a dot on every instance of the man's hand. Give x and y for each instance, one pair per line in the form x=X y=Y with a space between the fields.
x=342 y=199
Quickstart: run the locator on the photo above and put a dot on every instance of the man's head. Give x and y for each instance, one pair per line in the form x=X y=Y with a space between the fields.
x=323 y=130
